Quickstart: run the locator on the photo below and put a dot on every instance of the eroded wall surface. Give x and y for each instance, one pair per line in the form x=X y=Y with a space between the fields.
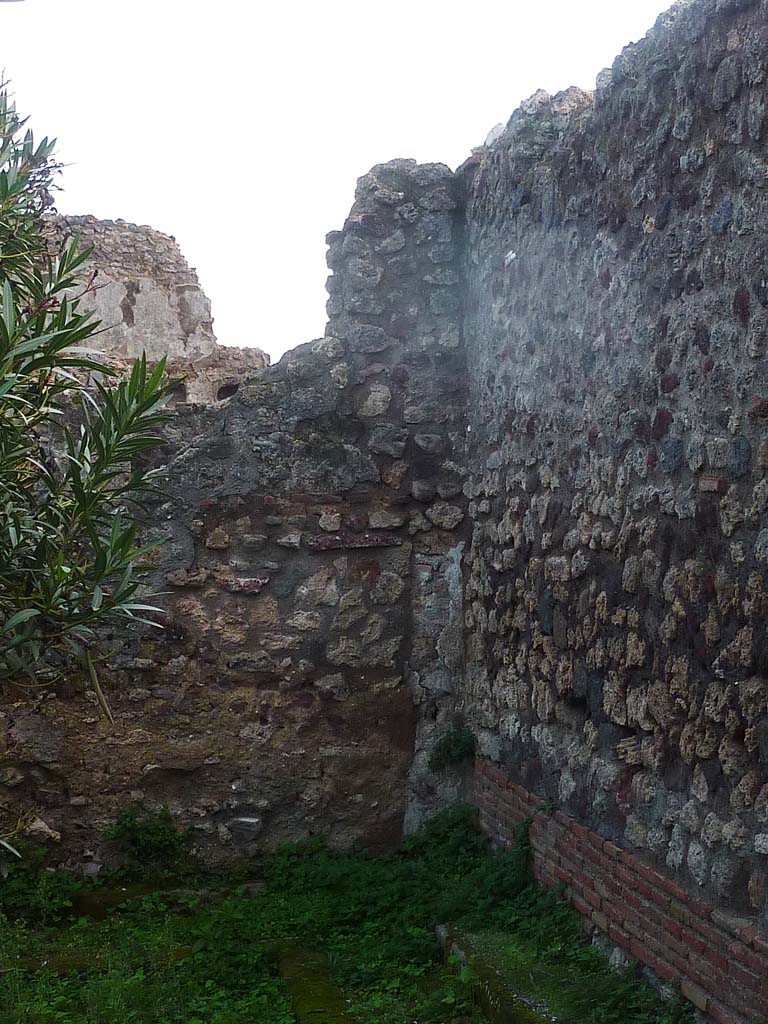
x=312 y=534
x=615 y=335
x=143 y=290
x=149 y=300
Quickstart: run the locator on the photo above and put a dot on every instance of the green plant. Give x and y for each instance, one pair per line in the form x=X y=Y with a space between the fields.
x=152 y=847
x=219 y=962
x=29 y=892
x=6 y=851
x=69 y=552
x=455 y=747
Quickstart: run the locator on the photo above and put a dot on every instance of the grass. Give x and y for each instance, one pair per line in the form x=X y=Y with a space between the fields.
x=189 y=961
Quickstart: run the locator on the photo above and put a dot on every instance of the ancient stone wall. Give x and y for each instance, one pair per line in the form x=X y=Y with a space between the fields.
x=312 y=552
x=520 y=481
x=615 y=336
x=143 y=290
x=149 y=300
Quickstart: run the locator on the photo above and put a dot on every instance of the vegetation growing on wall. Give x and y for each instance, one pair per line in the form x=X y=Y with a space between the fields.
x=454 y=748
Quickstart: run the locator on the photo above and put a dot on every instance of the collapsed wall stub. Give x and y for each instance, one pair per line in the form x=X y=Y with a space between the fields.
x=149 y=299
x=143 y=290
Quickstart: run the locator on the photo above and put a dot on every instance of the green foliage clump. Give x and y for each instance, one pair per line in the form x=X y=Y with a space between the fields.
x=151 y=848
x=374 y=917
x=455 y=747
x=69 y=549
x=544 y=950
x=29 y=892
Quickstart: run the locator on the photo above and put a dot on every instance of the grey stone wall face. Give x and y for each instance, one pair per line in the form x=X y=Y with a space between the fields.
x=615 y=582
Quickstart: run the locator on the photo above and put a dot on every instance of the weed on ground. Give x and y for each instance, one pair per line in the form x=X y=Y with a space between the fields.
x=181 y=959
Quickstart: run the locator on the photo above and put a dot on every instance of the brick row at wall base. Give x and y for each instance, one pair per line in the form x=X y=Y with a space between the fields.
x=719 y=963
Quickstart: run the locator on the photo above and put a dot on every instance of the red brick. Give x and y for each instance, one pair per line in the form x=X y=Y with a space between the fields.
x=675 y=890
x=542 y=844
x=685 y=946
x=583 y=908
x=760 y=944
x=615 y=913
x=671 y=954
x=569 y=855
x=590 y=852
x=562 y=818
x=640 y=952
x=580 y=831
x=571 y=865
x=728 y=922
x=648 y=873
x=721 y=1015
x=697 y=996
x=748 y=934
x=650 y=892
x=657 y=896
x=704 y=962
x=612 y=850
x=618 y=936
x=702 y=910
x=671 y=926
x=563 y=876
x=713 y=936
x=592 y=898
x=754 y=961
x=693 y=942
x=580 y=880
x=607 y=889
x=601 y=920
x=629 y=899
x=679 y=912
x=554 y=828
x=753 y=1007
x=626 y=878
x=596 y=840
x=743 y=977
x=665 y=970
x=664 y=923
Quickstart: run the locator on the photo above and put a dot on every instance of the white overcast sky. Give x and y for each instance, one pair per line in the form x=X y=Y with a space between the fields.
x=240 y=127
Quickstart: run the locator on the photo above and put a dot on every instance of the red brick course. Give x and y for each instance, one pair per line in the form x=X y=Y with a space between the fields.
x=719 y=961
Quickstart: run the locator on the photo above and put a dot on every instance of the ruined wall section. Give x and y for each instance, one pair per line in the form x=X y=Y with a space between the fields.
x=143 y=290
x=309 y=644
x=149 y=300
x=617 y=317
